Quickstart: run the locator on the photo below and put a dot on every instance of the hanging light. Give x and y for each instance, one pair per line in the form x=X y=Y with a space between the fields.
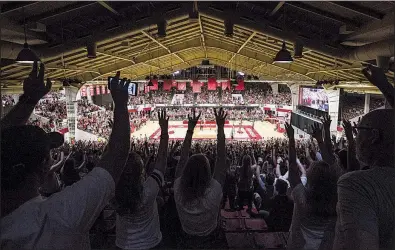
x=150 y=84
x=283 y=56
x=26 y=55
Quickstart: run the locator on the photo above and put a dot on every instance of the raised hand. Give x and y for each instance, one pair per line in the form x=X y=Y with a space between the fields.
x=192 y=121
x=33 y=86
x=110 y=123
x=290 y=130
x=348 y=130
x=220 y=117
x=163 y=121
x=326 y=121
x=375 y=75
x=119 y=89
x=317 y=132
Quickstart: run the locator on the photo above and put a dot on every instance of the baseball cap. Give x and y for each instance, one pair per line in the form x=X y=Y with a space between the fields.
x=26 y=147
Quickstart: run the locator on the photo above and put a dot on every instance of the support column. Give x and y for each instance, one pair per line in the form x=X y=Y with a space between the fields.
x=367 y=104
x=274 y=88
x=295 y=95
x=333 y=101
x=71 y=107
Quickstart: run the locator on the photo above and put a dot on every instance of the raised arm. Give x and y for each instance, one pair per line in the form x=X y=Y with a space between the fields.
x=161 y=159
x=293 y=172
x=352 y=162
x=186 y=145
x=376 y=76
x=317 y=134
x=117 y=151
x=327 y=133
x=33 y=90
x=220 y=164
x=83 y=163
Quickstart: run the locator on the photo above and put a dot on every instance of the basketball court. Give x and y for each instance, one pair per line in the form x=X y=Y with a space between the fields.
x=177 y=131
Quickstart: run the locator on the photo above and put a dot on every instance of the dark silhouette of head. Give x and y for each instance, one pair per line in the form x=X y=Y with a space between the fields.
x=375 y=139
x=321 y=189
x=281 y=187
x=196 y=177
x=128 y=192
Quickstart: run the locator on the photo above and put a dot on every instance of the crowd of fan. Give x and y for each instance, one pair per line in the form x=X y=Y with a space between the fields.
x=179 y=114
x=8 y=100
x=96 y=123
x=328 y=194
x=85 y=107
x=353 y=105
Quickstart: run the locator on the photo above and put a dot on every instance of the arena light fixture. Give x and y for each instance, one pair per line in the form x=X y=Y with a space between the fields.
x=27 y=56
x=240 y=73
x=283 y=55
x=150 y=84
x=298 y=49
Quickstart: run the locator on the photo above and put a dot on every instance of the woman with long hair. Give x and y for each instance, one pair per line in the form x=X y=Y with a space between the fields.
x=137 y=225
x=314 y=215
x=197 y=191
x=245 y=185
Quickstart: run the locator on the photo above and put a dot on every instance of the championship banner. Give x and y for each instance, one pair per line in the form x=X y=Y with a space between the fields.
x=240 y=85
x=174 y=84
x=166 y=85
x=83 y=91
x=226 y=85
x=103 y=89
x=98 y=90
x=182 y=86
x=197 y=87
x=92 y=90
x=155 y=83
x=211 y=84
x=146 y=89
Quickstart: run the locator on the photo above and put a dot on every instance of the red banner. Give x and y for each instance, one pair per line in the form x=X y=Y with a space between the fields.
x=182 y=86
x=226 y=85
x=91 y=90
x=155 y=83
x=98 y=90
x=167 y=85
x=174 y=84
x=83 y=91
x=211 y=84
x=103 y=89
x=146 y=89
x=240 y=85
x=196 y=87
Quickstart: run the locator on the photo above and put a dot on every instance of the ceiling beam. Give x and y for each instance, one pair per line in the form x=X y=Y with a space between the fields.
x=13 y=6
x=59 y=11
x=335 y=70
x=277 y=8
x=102 y=34
x=108 y=7
x=163 y=46
x=319 y=12
x=202 y=35
x=115 y=56
x=264 y=26
x=359 y=9
x=242 y=46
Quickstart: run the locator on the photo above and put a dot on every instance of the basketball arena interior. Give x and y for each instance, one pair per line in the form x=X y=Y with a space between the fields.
x=266 y=64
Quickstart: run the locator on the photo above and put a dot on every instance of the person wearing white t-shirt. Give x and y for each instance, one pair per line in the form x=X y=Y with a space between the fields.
x=197 y=192
x=137 y=225
x=63 y=220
